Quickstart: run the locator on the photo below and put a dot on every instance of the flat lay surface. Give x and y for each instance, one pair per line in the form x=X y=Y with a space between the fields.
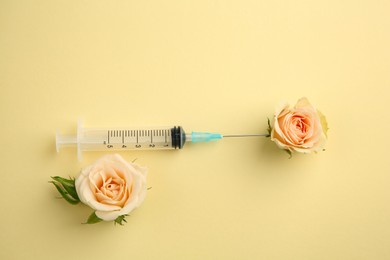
x=214 y=66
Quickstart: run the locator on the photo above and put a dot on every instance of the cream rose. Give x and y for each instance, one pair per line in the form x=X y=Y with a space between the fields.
x=301 y=129
x=112 y=186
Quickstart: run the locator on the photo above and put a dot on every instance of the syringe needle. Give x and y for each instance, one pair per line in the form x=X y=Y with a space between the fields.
x=246 y=135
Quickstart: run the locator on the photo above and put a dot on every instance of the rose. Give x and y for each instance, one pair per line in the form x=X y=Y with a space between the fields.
x=301 y=129
x=112 y=187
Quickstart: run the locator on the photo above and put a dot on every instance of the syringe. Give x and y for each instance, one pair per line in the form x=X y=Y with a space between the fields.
x=151 y=138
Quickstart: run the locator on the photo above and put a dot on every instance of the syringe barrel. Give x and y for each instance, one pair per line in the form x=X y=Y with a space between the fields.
x=100 y=139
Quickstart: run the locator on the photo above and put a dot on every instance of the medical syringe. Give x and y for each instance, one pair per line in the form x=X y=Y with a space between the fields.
x=150 y=138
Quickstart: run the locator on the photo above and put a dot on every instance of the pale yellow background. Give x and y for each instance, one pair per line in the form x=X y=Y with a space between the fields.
x=208 y=66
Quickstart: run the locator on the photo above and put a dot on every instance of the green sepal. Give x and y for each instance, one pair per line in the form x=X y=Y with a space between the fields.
x=69 y=182
x=68 y=185
x=120 y=219
x=289 y=153
x=93 y=219
x=65 y=194
x=269 y=129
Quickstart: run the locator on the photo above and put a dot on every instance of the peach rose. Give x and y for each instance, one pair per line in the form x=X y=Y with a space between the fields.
x=301 y=129
x=112 y=186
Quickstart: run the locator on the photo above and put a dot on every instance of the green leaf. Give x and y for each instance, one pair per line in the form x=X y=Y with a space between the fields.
x=68 y=185
x=65 y=194
x=72 y=192
x=93 y=219
x=120 y=219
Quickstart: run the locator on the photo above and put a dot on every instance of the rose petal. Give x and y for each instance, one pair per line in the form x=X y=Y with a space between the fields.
x=303 y=103
x=301 y=128
x=108 y=215
x=112 y=186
